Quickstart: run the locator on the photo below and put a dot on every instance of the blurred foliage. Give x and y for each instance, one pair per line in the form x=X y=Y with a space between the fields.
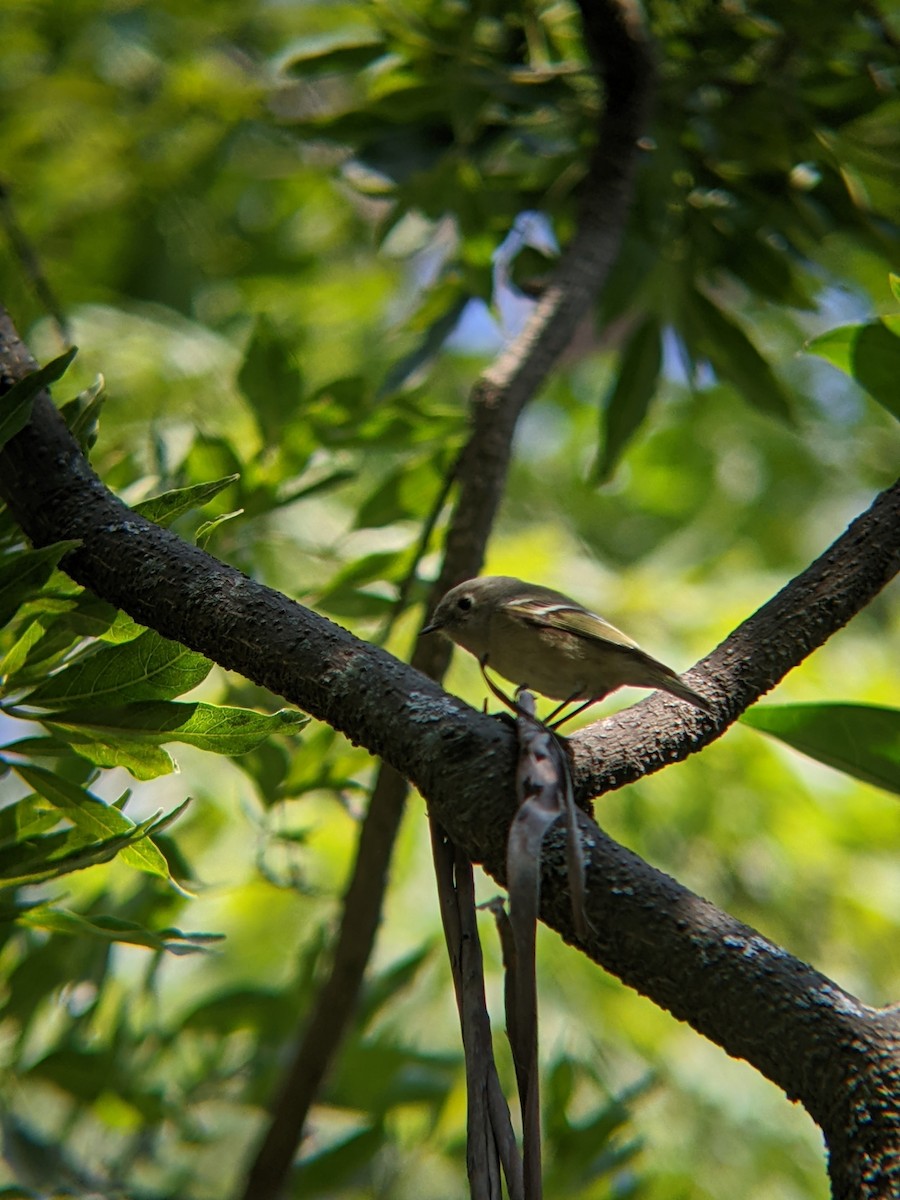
x=262 y=223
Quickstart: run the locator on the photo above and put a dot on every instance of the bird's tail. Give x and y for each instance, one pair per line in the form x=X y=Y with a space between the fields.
x=649 y=672
x=676 y=686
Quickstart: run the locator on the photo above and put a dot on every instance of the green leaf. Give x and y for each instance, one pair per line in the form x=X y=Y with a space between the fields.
x=208 y=528
x=381 y=564
x=346 y=594
x=15 y=405
x=139 y=759
x=323 y=762
x=24 y=572
x=41 y=746
x=147 y=668
x=402 y=374
x=58 y=625
x=121 y=629
x=31 y=854
x=734 y=358
x=405 y=493
x=315 y=486
x=115 y=929
x=82 y=415
x=337 y=1163
x=17 y=655
x=163 y=509
x=868 y=353
x=270 y=379
x=389 y=983
x=629 y=402
x=54 y=855
x=63 y=630
x=767 y=271
x=26 y=819
x=335 y=50
x=92 y=816
x=211 y=727
x=862 y=740
x=895 y=285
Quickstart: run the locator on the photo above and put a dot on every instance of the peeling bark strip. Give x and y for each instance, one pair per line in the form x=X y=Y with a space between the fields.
x=544 y=790
x=490 y=1140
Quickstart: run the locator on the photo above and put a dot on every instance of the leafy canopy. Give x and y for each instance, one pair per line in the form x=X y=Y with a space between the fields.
x=262 y=224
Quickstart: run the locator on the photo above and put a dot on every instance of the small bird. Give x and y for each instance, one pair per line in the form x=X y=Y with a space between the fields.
x=540 y=639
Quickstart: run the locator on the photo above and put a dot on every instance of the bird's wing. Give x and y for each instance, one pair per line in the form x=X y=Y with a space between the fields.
x=571 y=618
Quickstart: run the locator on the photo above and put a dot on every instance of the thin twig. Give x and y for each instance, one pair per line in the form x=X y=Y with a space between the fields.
x=419 y=551
x=31 y=266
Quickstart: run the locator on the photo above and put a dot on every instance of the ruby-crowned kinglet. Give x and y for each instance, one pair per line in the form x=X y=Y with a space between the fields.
x=542 y=640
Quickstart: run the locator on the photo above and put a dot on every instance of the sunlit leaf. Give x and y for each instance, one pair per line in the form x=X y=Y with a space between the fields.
x=862 y=740
x=868 y=353
x=627 y=405
x=90 y=814
x=17 y=655
x=26 y=818
x=142 y=760
x=57 y=627
x=15 y=404
x=216 y=728
x=116 y=929
x=270 y=379
x=121 y=629
x=24 y=572
x=208 y=528
x=148 y=668
x=163 y=509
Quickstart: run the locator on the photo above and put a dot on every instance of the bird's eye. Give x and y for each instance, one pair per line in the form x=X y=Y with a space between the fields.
x=464 y=603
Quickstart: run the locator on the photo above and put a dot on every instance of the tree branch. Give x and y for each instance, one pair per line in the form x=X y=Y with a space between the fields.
x=752 y=659
x=462 y=761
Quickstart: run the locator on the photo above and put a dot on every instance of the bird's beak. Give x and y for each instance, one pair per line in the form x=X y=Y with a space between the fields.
x=429 y=629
